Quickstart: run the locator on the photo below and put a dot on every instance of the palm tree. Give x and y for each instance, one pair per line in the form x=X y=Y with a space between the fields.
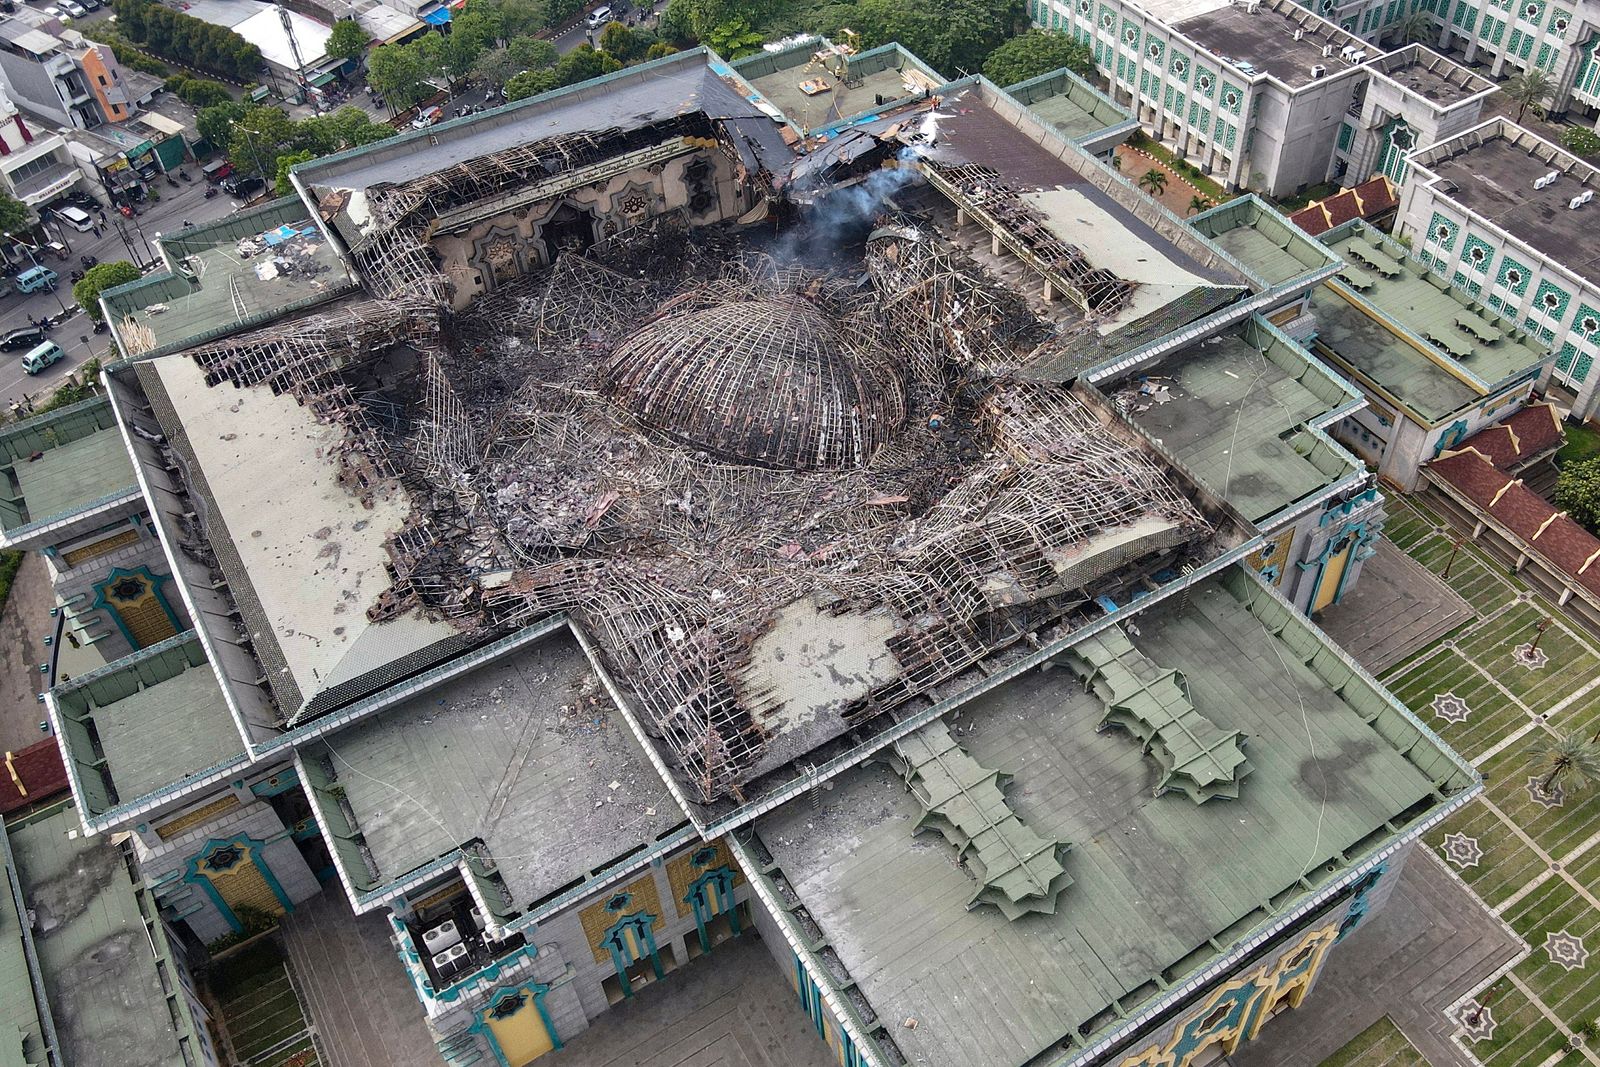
x=1573 y=756
x=1530 y=88
x=1198 y=203
x=1154 y=181
x=1415 y=28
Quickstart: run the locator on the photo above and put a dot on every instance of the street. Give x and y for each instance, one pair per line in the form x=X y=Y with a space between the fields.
x=186 y=203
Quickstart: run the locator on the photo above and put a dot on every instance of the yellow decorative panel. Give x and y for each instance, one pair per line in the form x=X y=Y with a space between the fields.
x=1275 y=553
x=245 y=886
x=99 y=548
x=1238 y=1008
x=518 y=1029
x=197 y=817
x=641 y=897
x=683 y=869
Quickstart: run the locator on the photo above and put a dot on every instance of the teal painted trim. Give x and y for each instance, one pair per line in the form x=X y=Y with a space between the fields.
x=288 y=778
x=613 y=942
x=722 y=878
x=491 y=972
x=193 y=876
x=536 y=990
x=156 y=582
x=1451 y=437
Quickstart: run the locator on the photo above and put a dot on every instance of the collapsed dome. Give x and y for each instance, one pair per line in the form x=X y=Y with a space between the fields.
x=770 y=381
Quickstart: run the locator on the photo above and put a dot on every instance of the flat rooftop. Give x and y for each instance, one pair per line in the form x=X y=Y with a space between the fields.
x=1069 y=104
x=1260 y=41
x=22 y=1038
x=1493 y=177
x=1430 y=75
x=815 y=85
x=1161 y=886
x=56 y=463
x=1423 y=302
x=237 y=271
x=160 y=717
x=1234 y=415
x=94 y=929
x=1414 y=378
x=307 y=556
x=1264 y=241
x=527 y=754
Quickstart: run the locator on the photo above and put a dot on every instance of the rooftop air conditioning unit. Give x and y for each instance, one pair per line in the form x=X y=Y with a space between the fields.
x=1588 y=195
x=1542 y=182
x=1299 y=34
x=1347 y=51
x=1359 y=57
x=1327 y=50
x=1575 y=203
x=1317 y=71
x=1550 y=176
x=1252 y=6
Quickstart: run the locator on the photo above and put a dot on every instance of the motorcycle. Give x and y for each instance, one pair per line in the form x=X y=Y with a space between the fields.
x=75 y=277
x=100 y=326
x=211 y=190
x=184 y=175
x=88 y=261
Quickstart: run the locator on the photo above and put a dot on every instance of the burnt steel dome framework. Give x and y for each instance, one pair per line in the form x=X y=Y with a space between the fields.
x=768 y=380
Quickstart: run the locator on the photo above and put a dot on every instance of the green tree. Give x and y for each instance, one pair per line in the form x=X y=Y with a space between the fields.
x=1154 y=181
x=1581 y=141
x=283 y=187
x=348 y=40
x=704 y=16
x=531 y=83
x=1197 y=204
x=733 y=38
x=520 y=18
x=1578 y=492
x=400 y=73
x=583 y=63
x=952 y=36
x=494 y=68
x=99 y=277
x=1528 y=89
x=659 y=50
x=215 y=124
x=203 y=93
x=1416 y=28
x=13 y=214
x=259 y=136
x=675 y=24
x=1034 y=53
x=617 y=40
x=1572 y=757
x=530 y=53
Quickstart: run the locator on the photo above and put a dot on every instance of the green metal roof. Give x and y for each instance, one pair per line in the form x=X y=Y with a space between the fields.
x=1161 y=888
x=1016 y=870
x=58 y=463
x=102 y=949
x=21 y=1030
x=1152 y=703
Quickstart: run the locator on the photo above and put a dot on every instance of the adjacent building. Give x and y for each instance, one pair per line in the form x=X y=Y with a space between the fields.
x=35 y=168
x=1495 y=210
x=642 y=494
x=58 y=74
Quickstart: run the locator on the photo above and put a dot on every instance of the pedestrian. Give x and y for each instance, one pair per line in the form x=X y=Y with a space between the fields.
x=97 y=229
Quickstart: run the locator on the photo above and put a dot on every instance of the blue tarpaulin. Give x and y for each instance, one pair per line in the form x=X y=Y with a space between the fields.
x=437 y=18
x=280 y=235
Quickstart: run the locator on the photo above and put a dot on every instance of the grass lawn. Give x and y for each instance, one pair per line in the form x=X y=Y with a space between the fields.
x=1379 y=1045
x=260 y=1011
x=1523 y=1037
x=1583 y=442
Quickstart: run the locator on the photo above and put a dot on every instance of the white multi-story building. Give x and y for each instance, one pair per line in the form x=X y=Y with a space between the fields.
x=35 y=168
x=1498 y=211
x=1414 y=97
x=1253 y=92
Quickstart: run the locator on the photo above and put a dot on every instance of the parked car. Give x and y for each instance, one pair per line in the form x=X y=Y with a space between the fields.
x=216 y=170
x=244 y=186
x=35 y=278
x=26 y=337
x=53 y=12
x=74 y=9
x=92 y=5
x=427 y=117
x=599 y=17
x=75 y=217
x=41 y=356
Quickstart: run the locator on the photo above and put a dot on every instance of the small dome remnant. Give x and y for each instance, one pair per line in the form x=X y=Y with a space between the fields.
x=769 y=381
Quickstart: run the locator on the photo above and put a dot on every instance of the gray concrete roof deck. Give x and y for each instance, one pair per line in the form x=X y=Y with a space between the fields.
x=106 y=993
x=1069 y=103
x=1262 y=239
x=1258 y=251
x=1430 y=75
x=22 y=1037
x=839 y=104
x=1495 y=180
x=1069 y=116
x=74 y=474
x=1264 y=39
x=1403 y=372
x=1420 y=301
x=166 y=732
x=520 y=754
x=695 y=80
x=1155 y=878
x=1231 y=412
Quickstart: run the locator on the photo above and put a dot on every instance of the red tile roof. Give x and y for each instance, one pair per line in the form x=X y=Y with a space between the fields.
x=1510 y=444
x=1543 y=530
x=1368 y=200
x=34 y=774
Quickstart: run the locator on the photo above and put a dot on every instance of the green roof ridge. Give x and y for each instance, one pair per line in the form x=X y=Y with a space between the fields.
x=1152 y=703
x=1017 y=870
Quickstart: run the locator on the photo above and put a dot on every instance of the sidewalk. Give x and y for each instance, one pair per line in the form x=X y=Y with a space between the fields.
x=24 y=624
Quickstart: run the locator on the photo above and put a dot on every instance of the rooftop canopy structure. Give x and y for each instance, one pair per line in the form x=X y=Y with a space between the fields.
x=60 y=467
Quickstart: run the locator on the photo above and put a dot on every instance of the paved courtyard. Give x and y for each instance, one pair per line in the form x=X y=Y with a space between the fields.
x=1489 y=689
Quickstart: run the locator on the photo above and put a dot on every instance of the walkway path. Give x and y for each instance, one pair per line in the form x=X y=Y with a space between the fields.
x=23 y=626
x=1176 y=196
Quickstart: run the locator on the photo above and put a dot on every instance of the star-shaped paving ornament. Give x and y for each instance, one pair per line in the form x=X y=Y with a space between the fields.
x=1450 y=708
x=1566 y=950
x=1463 y=851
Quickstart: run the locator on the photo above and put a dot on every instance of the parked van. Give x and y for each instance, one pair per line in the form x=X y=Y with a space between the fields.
x=599 y=17
x=41 y=357
x=35 y=278
x=77 y=218
x=427 y=117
